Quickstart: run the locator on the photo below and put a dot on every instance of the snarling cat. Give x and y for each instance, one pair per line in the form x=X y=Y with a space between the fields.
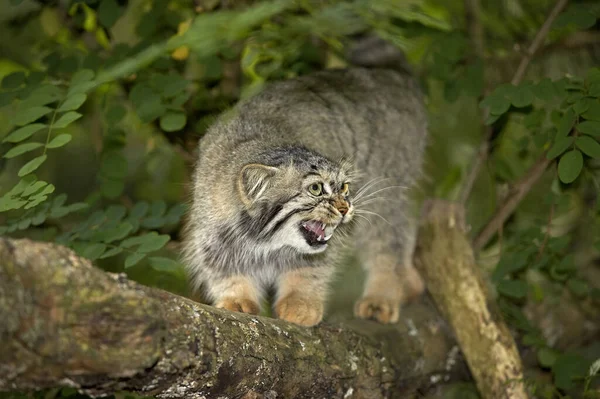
x=291 y=177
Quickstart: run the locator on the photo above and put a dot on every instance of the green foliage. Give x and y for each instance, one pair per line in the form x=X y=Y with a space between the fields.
x=96 y=119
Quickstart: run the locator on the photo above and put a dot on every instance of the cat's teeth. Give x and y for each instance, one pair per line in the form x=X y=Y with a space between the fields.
x=322 y=226
x=327 y=237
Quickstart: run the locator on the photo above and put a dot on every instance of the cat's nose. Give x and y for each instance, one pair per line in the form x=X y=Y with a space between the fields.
x=341 y=206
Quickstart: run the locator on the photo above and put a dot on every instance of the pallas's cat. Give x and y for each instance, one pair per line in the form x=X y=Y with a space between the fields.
x=291 y=177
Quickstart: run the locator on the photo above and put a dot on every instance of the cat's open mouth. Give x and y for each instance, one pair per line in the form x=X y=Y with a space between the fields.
x=316 y=232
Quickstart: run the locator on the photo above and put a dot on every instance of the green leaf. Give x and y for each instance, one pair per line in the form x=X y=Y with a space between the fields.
x=92 y=251
x=567 y=368
x=66 y=119
x=577 y=17
x=544 y=90
x=163 y=264
x=81 y=88
x=28 y=115
x=508 y=264
x=569 y=166
x=109 y=12
x=582 y=105
x=139 y=210
x=491 y=118
x=565 y=123
x=594 y=90
x=158 y=208
x=154 y=242
x=22 y=185
x=82 y=76
x=131 y=241
x=34 y=187
x=522 y=97
x=73 y=102
x=547 y=357
x=560 y=146
x=172 y=121
x=22 y=149
x=24 y=133
x=115 y=213
x=589 y=127
x=151 y=109
x=111 y=252
x=43 y=95
x=175 y=213
x=59 y=140
x=49 y=189
x=13 y=80
x=114 y=234
x=513 y=288
x=32 y=165
x=588 y=146
x=499 y=106
x=133 y=259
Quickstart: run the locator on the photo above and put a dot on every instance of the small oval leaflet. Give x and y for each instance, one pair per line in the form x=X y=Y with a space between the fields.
x=24 y=133
x=22 y=149
x=28 y=115
x=559 y=147
x=569 y=166
x=73 y=102
x=588 y=146
x=32 y=165
x=67 y=119
x=172 y=121
x=59 y=140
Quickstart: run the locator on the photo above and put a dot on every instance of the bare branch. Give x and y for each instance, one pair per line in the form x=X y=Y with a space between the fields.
x=518 y=191
x=538 y=41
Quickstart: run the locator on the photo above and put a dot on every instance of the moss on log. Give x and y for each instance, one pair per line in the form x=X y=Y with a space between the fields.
x=67 y=323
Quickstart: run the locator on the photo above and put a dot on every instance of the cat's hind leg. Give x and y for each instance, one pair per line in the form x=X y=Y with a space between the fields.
x=386 y=254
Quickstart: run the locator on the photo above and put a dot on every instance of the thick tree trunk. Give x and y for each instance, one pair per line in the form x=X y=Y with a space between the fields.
x=67 y=323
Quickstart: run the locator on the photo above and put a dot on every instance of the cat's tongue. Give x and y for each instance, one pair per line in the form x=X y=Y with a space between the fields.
x=315 y=227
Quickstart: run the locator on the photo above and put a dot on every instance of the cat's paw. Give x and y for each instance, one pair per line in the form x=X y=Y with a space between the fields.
x=243 y=305
x=300 y=309
x=380 y=308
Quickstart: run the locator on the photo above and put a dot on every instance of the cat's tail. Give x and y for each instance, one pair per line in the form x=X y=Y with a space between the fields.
x=371 y=51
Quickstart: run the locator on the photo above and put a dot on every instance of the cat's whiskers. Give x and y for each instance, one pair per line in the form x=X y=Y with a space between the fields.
x=362 y=217
x=358 y=200
x=359 y=211
x=362 y=191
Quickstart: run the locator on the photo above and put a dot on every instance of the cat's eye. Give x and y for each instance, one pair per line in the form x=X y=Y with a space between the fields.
x=316 y=189
x=345 y=188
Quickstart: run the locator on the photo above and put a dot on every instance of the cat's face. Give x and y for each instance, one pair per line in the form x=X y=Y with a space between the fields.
x=299 y=206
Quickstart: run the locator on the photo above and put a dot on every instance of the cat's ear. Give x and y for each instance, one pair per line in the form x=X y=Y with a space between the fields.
x=253 y=181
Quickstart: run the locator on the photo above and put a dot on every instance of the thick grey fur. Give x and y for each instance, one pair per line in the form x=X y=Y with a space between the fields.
x=363 y=124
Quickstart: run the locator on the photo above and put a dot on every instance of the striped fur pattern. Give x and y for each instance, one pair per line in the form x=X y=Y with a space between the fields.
x=288 y=179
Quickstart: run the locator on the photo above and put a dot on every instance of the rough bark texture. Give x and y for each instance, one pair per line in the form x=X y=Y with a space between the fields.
x=445 y=258
x=67 y=323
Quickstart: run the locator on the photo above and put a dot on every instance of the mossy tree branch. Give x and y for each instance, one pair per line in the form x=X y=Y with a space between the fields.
x=67 y=323
x=445 y=258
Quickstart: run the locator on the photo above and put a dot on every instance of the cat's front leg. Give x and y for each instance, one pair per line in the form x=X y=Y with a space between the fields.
x=236 y=293
x=301 y=295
